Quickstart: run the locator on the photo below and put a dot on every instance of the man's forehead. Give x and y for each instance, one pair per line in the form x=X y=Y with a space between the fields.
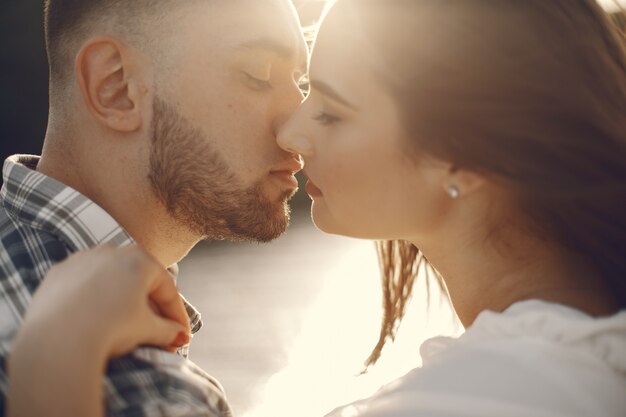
x=253 y=19
x=270 y=26
x=242 y=26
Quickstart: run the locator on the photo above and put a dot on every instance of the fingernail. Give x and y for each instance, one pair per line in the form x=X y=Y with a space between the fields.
x=181 y=339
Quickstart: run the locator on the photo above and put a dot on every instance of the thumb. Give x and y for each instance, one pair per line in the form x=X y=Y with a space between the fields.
x=166 y=333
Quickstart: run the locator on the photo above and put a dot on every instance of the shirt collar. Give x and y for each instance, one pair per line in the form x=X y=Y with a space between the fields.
x=41 y=202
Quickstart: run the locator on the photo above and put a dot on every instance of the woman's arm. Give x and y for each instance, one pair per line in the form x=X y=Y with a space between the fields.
x=96 y=305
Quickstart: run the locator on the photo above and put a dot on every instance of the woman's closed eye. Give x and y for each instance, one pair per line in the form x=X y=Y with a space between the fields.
x=326 y=119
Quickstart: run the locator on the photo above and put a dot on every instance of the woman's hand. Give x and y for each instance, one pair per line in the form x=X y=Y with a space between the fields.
x=119 y=297
x=97 y=304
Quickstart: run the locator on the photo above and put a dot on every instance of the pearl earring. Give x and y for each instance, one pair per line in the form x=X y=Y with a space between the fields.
x=454 y=192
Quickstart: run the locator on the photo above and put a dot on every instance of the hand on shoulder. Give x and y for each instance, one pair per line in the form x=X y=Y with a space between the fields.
x=118 y=298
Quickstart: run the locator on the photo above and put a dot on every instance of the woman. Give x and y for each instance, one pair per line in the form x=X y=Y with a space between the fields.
x=483 y=141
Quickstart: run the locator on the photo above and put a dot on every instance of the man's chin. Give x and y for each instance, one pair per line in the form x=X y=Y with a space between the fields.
x=267 y=224
x=280 y=196
x=276 y=225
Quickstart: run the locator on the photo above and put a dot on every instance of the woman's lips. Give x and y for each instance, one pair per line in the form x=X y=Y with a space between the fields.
x=312 y=189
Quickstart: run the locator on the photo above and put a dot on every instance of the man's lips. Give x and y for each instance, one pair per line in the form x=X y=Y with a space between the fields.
x=292 y=166
x=286 y=172
x=287 y=177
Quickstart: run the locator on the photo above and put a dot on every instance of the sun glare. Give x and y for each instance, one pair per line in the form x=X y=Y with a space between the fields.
x=612 y=5
x=337 y=334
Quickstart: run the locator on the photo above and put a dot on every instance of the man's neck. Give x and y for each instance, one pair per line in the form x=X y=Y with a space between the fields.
x=130 y=203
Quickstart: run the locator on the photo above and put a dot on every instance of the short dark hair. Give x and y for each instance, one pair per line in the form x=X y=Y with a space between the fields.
x=67 y=22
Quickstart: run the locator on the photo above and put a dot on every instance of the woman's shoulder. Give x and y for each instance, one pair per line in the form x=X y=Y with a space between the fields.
x=535 y=358
x=538 y=329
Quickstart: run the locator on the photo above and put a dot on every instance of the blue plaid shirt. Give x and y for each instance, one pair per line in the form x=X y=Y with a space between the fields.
x=41 y=222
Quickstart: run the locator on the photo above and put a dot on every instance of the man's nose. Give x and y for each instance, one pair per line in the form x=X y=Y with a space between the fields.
x=290 y=101
x=292 y=135
x=289 y=130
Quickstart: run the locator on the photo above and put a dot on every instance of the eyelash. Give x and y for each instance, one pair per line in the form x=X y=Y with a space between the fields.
x=257 y=83
x=326 y=119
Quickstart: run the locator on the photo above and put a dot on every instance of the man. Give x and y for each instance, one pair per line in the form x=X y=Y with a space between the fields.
x=161 y=131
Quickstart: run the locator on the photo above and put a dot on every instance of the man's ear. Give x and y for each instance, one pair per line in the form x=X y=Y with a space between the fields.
x=109 y=81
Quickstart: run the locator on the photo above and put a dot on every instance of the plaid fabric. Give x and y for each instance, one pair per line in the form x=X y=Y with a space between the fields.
x=41 y=222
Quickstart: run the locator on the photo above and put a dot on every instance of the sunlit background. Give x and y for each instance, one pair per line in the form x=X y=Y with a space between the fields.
x=612 y=5
x=287 y=324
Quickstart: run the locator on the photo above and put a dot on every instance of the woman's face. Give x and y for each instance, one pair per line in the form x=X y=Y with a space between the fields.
x=362 y=179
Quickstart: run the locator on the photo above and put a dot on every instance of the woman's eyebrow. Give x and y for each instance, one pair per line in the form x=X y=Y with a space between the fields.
x=329 y=92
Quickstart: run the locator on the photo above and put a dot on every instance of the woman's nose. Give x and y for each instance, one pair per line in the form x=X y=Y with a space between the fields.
x=297 y=144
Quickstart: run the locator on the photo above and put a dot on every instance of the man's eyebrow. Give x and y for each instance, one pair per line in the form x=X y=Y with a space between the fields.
x=329 y=92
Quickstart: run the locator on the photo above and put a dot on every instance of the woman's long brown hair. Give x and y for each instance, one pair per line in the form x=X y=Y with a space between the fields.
x=529 y=93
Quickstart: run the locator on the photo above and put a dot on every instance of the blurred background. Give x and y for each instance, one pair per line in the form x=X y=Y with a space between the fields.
x=287 y=325
x=23 y=77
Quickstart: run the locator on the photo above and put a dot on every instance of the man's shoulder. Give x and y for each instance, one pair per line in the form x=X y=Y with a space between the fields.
x=26 y=254
x=156 y=383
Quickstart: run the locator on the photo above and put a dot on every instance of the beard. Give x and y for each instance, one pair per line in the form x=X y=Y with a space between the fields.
x=201 y=192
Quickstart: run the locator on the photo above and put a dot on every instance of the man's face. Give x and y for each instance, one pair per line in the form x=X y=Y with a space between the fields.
x=214 y=161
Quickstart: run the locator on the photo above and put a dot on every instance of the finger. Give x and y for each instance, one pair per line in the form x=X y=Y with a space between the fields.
x=166 y=333
x=159 y=285
x=165 y=296
x=139 y=261
x=154 y=307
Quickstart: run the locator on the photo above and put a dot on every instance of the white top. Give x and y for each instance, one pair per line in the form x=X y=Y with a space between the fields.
x=536 y=359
